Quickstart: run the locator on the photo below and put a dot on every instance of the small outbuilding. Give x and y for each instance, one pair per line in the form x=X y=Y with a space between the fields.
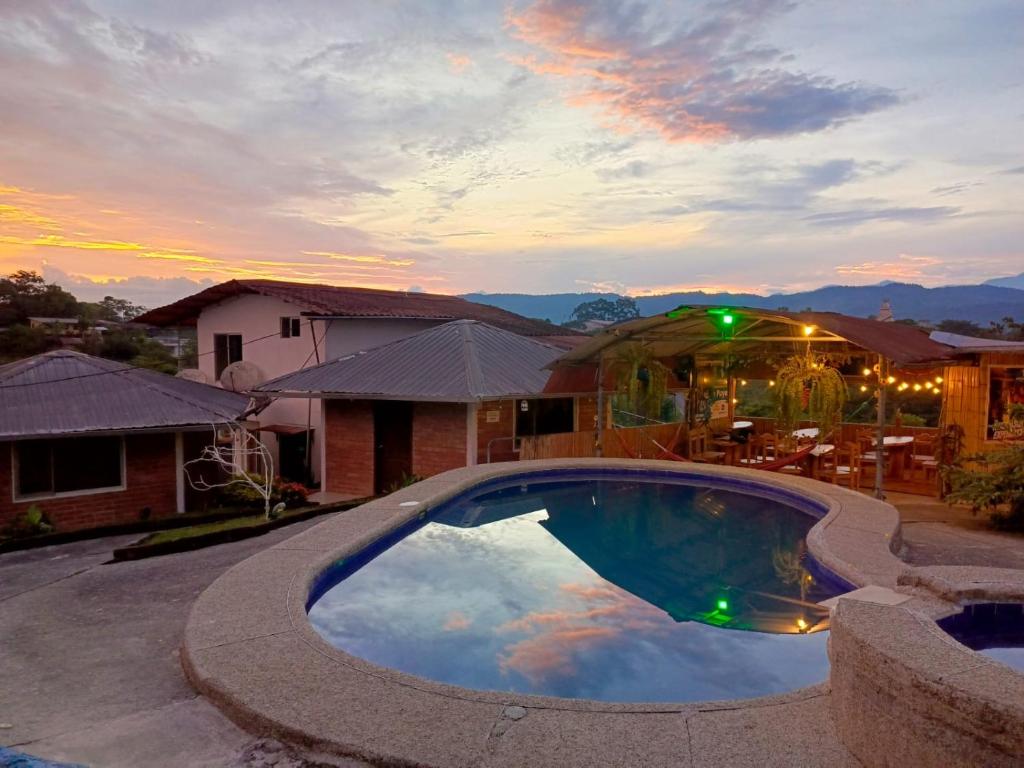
x=457 y=394
x=92 y=442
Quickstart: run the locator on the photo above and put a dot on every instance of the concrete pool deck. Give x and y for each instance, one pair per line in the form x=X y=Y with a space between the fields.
x=89 y=659
x=250 y=648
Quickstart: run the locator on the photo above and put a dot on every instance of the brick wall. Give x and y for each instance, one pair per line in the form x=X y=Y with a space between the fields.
x=503 y=427
x=438 y=437
x=150 y=482
x=348 y=450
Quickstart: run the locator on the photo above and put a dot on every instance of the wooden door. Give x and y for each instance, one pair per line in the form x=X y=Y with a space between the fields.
x=392 y=446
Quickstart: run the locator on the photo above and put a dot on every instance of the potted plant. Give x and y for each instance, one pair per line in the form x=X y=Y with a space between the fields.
x=641 y=383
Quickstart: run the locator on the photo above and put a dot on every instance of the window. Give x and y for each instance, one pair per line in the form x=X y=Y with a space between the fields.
x=227 y=349
x=544 y=416
x=290 y=327
x=69 y=466
x=1005 y=403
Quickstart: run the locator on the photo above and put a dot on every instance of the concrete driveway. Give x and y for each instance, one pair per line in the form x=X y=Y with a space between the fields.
x=89 y=669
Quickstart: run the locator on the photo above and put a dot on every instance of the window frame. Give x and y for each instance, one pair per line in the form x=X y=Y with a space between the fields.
x=291 y=327
x=227 y=351
x=18 y=496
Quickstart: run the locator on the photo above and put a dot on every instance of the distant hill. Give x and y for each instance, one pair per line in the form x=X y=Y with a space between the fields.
x=1017 y=281
x=978 y=303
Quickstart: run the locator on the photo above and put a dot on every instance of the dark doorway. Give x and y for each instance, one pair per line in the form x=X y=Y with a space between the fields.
x=292 y=457
x=544 y=416
x=392 y=445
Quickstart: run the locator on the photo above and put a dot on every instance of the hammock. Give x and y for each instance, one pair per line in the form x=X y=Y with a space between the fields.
x=665 y=452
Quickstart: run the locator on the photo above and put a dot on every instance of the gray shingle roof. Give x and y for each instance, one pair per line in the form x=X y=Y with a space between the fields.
x=67 y=392
x=461 y=361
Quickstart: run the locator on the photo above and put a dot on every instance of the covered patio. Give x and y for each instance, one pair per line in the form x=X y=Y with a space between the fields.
x=706 y=362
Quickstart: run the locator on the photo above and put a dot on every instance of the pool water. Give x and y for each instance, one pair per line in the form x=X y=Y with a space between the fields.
x=995 y=630
x=627 y=587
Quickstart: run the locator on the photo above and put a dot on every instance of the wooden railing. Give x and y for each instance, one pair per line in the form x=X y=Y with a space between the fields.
x=640 y=441
x=618 y=443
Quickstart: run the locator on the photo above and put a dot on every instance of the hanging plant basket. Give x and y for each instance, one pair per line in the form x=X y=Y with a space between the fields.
x=808 y=387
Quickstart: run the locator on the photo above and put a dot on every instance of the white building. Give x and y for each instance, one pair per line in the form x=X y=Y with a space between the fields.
x=281 y=327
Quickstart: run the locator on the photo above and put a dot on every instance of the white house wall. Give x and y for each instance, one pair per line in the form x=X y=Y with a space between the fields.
x=345 y=336
x=256 y=317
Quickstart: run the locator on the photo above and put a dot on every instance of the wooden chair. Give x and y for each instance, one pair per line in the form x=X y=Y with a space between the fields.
x=698 y=445
x=923 y=456
x=750 y=452
x=844 y=463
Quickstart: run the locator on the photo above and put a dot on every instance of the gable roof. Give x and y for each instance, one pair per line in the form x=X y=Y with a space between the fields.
x=349 y=302
x=67 y=392
x=458 y=362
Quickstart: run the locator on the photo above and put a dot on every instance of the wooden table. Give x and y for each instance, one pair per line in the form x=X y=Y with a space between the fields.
x=901 y=451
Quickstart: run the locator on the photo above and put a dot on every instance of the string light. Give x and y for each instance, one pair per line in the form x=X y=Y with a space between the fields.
x=771 y=382
x=867 y=371
x=863 y=388
x=938 y=379
x=891 y=379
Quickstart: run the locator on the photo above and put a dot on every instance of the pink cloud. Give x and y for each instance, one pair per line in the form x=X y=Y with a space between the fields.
x=699 y=82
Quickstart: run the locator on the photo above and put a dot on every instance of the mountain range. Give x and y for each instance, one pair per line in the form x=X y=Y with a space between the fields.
x=993 y=300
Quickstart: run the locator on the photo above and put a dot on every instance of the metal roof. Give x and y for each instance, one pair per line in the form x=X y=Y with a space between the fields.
x=976 y=345
x=698 y=330
x=336 y=301
x=460 y=361
x=67 y=392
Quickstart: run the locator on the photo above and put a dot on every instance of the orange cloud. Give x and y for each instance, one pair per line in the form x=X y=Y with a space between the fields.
x=458 y=63
x=699 y=81
x=456 y=621
x=362 y=259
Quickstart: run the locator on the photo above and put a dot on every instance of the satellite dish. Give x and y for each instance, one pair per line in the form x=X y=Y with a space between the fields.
x=242 y=376
x=193 y=374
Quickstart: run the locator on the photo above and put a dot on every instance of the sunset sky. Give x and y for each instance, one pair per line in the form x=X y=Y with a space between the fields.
x=151 y=148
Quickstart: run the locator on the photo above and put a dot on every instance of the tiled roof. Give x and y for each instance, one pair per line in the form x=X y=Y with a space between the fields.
x=460 y=361
x=343 y=301
x=67 y=392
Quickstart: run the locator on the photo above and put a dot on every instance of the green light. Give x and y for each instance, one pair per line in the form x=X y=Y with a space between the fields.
x=727 y=319
x=723 y=605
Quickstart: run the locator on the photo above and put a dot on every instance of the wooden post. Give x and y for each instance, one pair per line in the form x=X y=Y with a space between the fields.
x=883 y=375
x=599 y=430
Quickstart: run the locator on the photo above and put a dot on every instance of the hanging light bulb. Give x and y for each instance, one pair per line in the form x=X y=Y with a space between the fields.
x=863 y=388
x=938 y=379
x=891 y=379
x=808 y=330
x=866 y=371
x=917 y=387
x=771 y=382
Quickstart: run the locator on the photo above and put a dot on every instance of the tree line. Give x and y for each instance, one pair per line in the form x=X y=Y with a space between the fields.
x=25 y=294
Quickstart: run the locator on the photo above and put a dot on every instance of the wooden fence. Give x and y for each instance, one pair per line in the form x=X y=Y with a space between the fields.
x=638 y=440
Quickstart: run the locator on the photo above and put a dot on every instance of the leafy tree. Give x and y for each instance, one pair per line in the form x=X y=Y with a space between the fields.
x=120 y=310
x=19 y=341
x=991 y=481
x=134 y=348
x=25 y=294
x=606 y=310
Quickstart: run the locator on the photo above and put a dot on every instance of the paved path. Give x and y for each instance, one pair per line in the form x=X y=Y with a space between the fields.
x=89 y=661
x=935 y=533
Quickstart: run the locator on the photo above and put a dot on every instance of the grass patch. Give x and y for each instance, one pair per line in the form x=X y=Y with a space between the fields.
x=246 y=521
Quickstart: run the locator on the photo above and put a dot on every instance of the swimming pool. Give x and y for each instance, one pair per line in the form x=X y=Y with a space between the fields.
x=995 y=630
x=606 y=585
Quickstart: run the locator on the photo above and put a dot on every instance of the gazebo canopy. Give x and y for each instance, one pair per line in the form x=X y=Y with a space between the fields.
x=711 y=331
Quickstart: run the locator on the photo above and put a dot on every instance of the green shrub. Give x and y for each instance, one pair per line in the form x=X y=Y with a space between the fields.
x=993 y=482
x=33 y=523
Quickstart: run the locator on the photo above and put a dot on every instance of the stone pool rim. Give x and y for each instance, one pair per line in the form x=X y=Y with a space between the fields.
x=250 y=648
